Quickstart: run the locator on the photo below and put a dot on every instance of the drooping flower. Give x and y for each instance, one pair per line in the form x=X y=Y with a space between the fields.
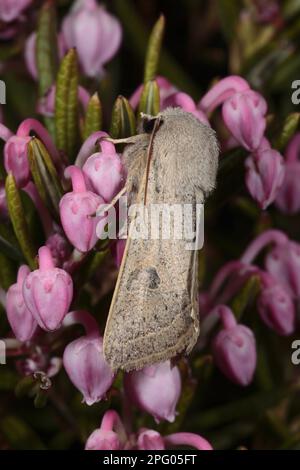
x=19 y=316
x=11 y=9
x=94 y=32
x=155 y=389
x=84 y=361
x=234 y=349
x=77 y=212
x=48 y=292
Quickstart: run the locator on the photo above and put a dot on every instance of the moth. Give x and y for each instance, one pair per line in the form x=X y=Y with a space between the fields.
x=154 y=311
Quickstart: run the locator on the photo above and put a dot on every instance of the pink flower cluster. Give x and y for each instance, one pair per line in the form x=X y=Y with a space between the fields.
x=112 y=435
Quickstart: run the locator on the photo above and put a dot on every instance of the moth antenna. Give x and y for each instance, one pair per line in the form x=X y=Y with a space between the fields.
x=149 y=154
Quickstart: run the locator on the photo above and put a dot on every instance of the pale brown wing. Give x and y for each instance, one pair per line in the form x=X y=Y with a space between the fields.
x=154 y=311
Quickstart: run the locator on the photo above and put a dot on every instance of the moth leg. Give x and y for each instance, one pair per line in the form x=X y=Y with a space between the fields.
x=128 y=140
x=101 y=211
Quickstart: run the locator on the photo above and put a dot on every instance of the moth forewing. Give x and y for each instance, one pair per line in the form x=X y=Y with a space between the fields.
x=154 y=311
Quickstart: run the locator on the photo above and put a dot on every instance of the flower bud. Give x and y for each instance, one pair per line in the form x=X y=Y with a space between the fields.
x=11 y=9
x=110 y=436
x=59 y=247
x=103 y=440
x=155 y=389
x=234 y=349
x=95 y=33
x=184 y=101
x=77 y=213
x=276 y=306
x=16 y=160
x=85 y=365
x=104 y=171
x=20 y=318
x=244 y=115
x=48 y=292
x=150 y=440
x=283 y=263
x=288 y=197
x=264 y=175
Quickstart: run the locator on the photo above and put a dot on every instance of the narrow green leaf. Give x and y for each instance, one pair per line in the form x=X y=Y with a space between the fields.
x=46 y=47
x=150 y=100
x=93 y=117
x=289 y=128
x=66 y=105
x=153 y=50
x=17 y=216
x=44 y=175
x=19 y=435
x=123 y=119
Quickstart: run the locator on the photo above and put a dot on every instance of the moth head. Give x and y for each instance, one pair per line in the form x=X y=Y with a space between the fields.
x=148 y=122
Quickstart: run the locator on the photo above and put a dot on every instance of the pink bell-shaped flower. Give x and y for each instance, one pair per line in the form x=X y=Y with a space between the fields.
x=19 y=316
x=155 y=389
x=77 y=213
x=150 y=440
x=283 y=263
x=11 y=9
x=94 y=32
x=264 y=175
x=288 y=197
x=184 y=101
x=104 y=171
x=16 y=160
x=110 y=436
x=275 y=306
x=234 y=349
x=244 y=116
x=84 y=361
x=48 y=292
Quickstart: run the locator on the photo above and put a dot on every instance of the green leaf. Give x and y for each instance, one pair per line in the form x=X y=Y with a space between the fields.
x=93 y=116
x=44 y=175
x=66 y=105
x=46 y=47
x=19 y=435
x=289 y=128
x=18 y=219
x=153 y=50
x=123 y=119
x=150 y=100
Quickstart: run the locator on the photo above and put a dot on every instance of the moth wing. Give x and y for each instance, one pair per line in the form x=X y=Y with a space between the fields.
x=154 y=310
x=156 y=315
